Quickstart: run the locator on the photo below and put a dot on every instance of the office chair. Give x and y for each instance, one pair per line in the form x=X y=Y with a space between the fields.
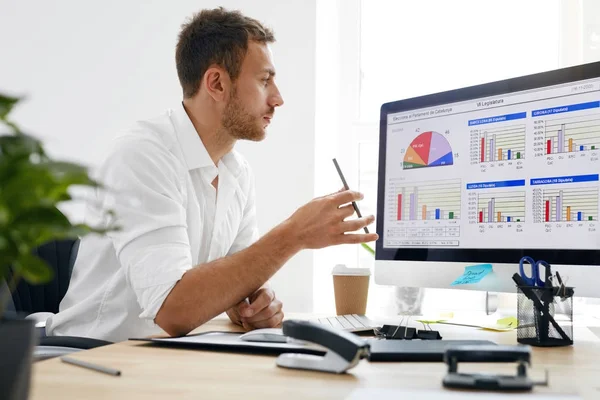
x=28 y=299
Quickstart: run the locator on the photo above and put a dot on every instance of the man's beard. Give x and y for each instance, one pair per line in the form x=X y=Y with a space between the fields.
x=239 y=123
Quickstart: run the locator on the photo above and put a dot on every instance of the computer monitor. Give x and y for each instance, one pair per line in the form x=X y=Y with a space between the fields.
x=489 y=174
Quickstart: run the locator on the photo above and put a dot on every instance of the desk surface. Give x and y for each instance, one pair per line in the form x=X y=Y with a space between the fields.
x=161 y=373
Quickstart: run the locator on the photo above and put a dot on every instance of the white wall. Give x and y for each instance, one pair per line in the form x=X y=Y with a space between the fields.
x=89 y=69
x=337 y=90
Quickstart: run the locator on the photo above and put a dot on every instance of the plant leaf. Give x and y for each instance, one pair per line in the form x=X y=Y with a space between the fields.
x=41 y=216
x=6 y=104
x=8 y=249
x=37 y=226
x=69 y=173
x=33 y=185
x=22 y=145
x=33 y=269
x=368 y=248
x=65 y=167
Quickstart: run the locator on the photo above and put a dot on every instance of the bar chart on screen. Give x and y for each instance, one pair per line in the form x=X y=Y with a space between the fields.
x=566 y=136
x=566 y=205
x=424 y=213
x=569 y=135
x=503 y=143
x=573 y=204
x=498 y=141
x=496 y=206
x=501 y=207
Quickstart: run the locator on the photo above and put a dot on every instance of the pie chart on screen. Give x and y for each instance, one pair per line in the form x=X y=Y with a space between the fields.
x=429 y=149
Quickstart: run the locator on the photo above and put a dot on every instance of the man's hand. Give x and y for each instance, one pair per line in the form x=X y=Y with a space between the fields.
x=322 y=222
x=260 y=310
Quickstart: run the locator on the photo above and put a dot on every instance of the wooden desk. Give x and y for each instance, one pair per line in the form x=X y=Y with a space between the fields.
x=165 y=373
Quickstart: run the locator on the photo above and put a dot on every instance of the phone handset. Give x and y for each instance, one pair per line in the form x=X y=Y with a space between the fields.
x=344 y=349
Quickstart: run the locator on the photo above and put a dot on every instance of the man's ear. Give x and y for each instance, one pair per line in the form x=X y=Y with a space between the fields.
x=217 y=83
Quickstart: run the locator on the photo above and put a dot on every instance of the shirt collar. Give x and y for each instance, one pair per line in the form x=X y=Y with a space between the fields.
x=193 y=149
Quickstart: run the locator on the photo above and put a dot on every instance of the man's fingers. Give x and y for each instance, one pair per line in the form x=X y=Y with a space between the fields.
x=347 y=196
x=266 y=313
x=356 y=224
x=272 y=322
x=262 y=298
x=330 y=194
x=234 y=316
x=346 y=211
x=354 y=238
x=234 y=312
x=242 y=306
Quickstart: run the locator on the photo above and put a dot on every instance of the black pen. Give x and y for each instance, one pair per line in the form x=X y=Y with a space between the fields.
x=84 y=364
x=339 y=170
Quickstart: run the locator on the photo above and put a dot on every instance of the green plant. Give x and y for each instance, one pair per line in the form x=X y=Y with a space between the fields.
x=31 y=187
x=368 y=248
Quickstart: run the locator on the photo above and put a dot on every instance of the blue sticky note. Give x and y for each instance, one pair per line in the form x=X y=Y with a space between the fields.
x=473 y=274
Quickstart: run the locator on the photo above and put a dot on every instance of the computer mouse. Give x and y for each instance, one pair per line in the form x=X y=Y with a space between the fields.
x=271 y=335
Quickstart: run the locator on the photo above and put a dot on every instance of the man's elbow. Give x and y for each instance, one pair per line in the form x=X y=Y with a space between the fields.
x=172 y=325
x=175 y=316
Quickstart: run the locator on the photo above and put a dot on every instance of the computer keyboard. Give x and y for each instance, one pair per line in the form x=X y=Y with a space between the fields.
x=348 y=322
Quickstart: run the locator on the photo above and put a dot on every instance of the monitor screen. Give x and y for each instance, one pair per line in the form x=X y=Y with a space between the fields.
x=493 y=172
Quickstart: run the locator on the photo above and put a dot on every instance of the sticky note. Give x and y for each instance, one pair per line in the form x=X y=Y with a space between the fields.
x=503 y=325
x=473 y=274
x=431 y=321
x=436 y=319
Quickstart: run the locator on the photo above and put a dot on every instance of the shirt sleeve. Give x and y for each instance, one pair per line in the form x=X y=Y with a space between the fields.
x=248 y=231
x=144 y=187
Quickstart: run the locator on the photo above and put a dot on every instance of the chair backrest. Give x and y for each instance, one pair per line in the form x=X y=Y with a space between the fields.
x=60 y=256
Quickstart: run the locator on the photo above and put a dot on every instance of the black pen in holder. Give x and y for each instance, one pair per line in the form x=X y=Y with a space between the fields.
x=545 y=316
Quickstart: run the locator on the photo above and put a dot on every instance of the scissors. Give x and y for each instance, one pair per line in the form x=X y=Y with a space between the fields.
x=534 y=279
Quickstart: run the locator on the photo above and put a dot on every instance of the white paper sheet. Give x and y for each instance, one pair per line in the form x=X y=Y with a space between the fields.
x=366 y=393
x=233 y=339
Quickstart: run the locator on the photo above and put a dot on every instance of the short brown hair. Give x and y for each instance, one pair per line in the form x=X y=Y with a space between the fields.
x=216 y=36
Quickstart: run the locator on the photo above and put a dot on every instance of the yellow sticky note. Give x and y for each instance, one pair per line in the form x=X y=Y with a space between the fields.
x=436 y=319
x=503 y=325
x=431 y=321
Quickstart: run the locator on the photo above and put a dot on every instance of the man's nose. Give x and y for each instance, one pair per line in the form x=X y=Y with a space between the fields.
x=276 y=100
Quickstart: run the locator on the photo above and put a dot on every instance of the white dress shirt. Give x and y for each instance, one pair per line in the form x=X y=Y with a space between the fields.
x=159 y=184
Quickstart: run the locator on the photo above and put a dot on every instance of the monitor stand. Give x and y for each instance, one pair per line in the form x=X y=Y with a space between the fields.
x=491 y=303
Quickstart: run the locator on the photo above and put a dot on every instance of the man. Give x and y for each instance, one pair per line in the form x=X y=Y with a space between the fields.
x=188 y=247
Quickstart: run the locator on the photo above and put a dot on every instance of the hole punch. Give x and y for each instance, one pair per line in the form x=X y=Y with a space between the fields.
x=490 y=354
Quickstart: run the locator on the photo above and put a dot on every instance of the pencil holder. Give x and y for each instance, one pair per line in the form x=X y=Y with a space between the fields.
x=545 y=316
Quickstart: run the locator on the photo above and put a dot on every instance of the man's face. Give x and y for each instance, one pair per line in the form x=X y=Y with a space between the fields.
x=254 y=96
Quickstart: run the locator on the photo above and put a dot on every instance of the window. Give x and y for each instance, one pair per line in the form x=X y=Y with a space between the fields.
x=413 y=48
x=407 y=49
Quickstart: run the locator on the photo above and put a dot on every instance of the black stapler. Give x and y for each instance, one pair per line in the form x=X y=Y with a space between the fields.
x=344 y=349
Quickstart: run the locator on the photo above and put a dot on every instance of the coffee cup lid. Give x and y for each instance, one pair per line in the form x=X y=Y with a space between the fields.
x=341 y=269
